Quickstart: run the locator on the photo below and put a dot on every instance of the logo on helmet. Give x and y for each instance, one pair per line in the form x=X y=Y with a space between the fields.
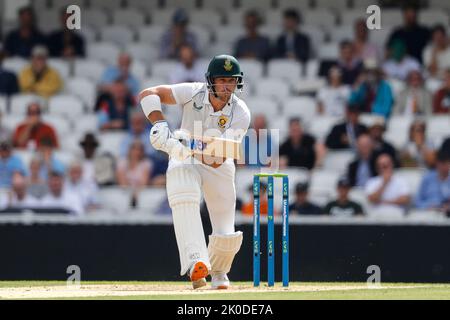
x=228 y=66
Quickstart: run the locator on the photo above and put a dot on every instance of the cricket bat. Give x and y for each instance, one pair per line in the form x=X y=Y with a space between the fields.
x=214 y=146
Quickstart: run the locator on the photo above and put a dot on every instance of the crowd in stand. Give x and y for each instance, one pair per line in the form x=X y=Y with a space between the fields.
x=357 y=83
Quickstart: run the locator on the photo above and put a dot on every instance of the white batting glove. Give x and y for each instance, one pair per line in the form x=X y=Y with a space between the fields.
x=161 y=139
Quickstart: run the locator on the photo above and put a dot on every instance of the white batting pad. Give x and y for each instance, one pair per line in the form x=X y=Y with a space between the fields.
x=222 y=249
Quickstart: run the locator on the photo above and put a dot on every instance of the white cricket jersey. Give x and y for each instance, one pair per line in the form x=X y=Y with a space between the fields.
x=231 y=122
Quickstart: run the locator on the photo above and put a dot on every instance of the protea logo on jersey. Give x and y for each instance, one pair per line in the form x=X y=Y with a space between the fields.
x=228 y=66
x=222 y=121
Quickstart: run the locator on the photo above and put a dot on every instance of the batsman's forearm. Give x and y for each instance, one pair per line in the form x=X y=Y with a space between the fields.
x=155 y=116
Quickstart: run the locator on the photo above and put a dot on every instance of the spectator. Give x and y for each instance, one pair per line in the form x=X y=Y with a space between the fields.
x=86 y=190
x=49 y=162
x=253 y=45
x=299 y=149
x=445 y=147
x=364 y=49
x=65 y=43
x=21 y=41
x=247 y=208
x=434 y=190
x=187 y=69
x=418 y=151
x=60 y=198
x=37 y=186
x=380 y=145
x=363 y=167
x=293 y=44
x=134 y=171
x=97 y=168
x=413 y=35
x=5 y=133
x=113 y=107
x=441 y=100
x=120 y=73
x=39 y=78
x=259 y=147
x=387 y=191
x=399 y=64
x=372 y=92
x=415 y=99
x=9 y=164
x=333 y=98
x=178 y=35
x=344 y=135
x=301 y=205
x=8 y=80
x=18 y=197
x=349 y=64
x=343 y=206
x=436 y=56
x=33 y=130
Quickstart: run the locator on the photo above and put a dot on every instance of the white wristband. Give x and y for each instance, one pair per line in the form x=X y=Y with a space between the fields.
x=151 y=103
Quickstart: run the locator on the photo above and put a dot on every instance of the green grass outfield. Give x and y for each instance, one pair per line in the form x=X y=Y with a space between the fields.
x=240 y=291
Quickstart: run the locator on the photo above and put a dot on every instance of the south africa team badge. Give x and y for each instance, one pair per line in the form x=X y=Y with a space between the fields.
x=222 y=121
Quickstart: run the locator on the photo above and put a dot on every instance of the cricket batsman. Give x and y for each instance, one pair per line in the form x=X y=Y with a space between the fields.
x=210 y=105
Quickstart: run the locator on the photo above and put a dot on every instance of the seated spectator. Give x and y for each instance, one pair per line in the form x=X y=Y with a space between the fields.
x=247 y=208
x=187 y=69
x=434 y=190
x=5 y=133
x=362 y=168
x=60 y=198
x=332 y=99
x=387 y=191
x=173 y=39
x=252 y=45
x=364 y=49
x=343 y=206
x=413 y=35
x=441 y=100
x=380 y=145
x=399 y=64
x=86 y=190
x=349 y=64
x=372 y=92
x=113 y=107
x=97 y=168
x=415 y=99
x=301 y=205
x=65 y=43
x=292 y=43
x=258 y=145
x=33 y=130
x=120 y=73
x=418 y=151
x=37 y=185
x=9 y=165
x=436 y=56
x=344 y=135
x=445 y=147
x=39 y=78
x=22 y=40
x=18 y=197
x=299 y=149
x=49 y=162
x=134 y=171
x=8 y=80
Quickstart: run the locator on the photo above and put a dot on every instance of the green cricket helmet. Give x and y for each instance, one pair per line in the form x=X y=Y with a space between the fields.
x=222 y=66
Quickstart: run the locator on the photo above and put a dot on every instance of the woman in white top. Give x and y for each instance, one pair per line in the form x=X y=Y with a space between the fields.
x=332 y=99
x=134 y=170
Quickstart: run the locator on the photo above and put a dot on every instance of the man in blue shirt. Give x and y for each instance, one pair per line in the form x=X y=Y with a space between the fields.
x=122 y=73
x=9 y=165
x=434 y=191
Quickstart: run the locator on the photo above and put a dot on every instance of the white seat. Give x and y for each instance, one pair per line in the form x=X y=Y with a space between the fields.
x=380 y=37
x=15 y=64
x=61 y=66
x=359 y=196
x=84 y=124
x=103 y=51
x=397 y=130
x=316 y=35
x=65 y=3
x=253 y=70
x=321 y=18
x=338 y=34
x=142 y=51
x=218 y=48
x=3 y=105
x=25 y=156
x=438 y=127
x=203 y=36
x=329 y=51
x=88 y=33
x=334 y=5
x=271 y=31
x=369 y=119
x=162 y=17
x=303 y=107
x=348 y=17
x=220 y=5
x=268 y=107
x=110 y=5
x=60 y=124
x=139 y=69
x=229 y=34
x=11 y=121
x=187 y=4
x=321 y=126
x=95 y=18
x=250 y=4
x=323 y=182
x=282 y=125
x=391 y=17
x=433 y=16
x=151 y=34
x=338 y=160
x=363 y=4
x=150 y=199
x=413 y=178
x=286 y=69
x=147 y=5
x=116 y=199
x=117 y=34
x=397 y=86
x=90 y=69
x=131 y=18
x=163 y=69
x=436 y=4
x=65 y=105
x=65 y=157
x=110 y=142
x=312 y=68
x=272 y=88
x=235 y=17
x=49 y=20
x=84 y=89
x=309 y=85
x=205 y=18
x=298 y=4
x=433 y=85
x=274 y=18
x=19 y=103
x=152 y=82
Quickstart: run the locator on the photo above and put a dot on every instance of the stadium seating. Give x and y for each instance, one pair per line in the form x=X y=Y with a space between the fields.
x=150 y=199
x=285 y=69
x=14 y=64
x=110 y=142
x=106 y=52
x=3 y=104
x=118 y=34
x=302 y=106
x=85 y=123
x=91 y=69
x=272 y=88
x=263 y=105
x=61 y=66
x=151 y=34
x=338 y=161
x=143 y=5
x=320 y=18
x=60 y=123
x=116 y=199
x=130 y=18
x=65 y=105
x=84 y=89
x=19 y=103
x=95 y=18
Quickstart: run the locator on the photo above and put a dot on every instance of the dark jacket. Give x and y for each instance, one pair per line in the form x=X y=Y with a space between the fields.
x=415 y=39
x=333 y=140
x=302 y=47
x=15 y=45
x=8 y=82
x=60 y=39
x=352 y=170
